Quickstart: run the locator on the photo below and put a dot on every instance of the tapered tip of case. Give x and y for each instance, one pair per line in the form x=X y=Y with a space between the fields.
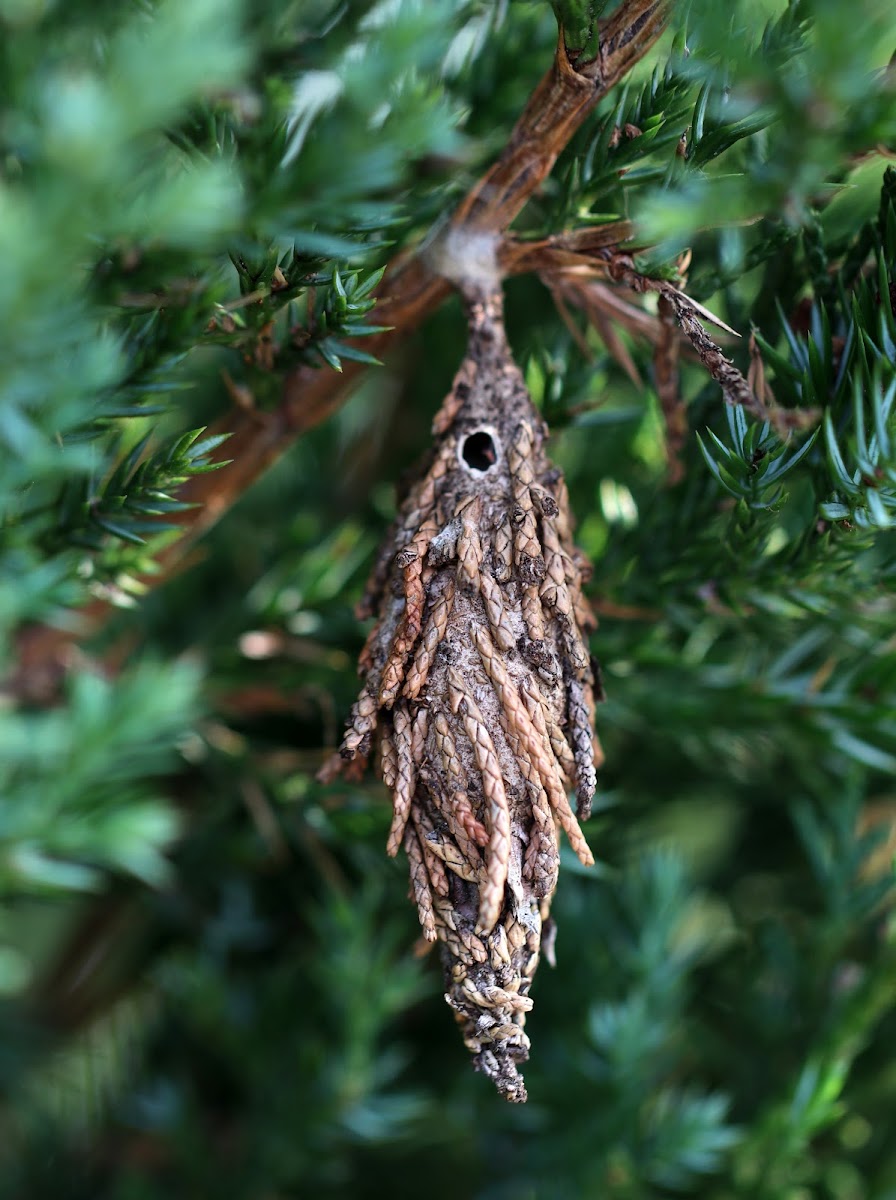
x=499 y=1064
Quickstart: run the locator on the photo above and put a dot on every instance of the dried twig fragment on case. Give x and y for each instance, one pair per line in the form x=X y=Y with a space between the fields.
x=479 y=690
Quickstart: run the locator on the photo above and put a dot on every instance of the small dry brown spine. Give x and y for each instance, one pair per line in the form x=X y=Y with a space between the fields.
x=468 y=821
x=540 y=714
x=410 y=561
x=405 y=779
x=469 y=543
x=527 y=549
x=388 y=759
x=493 y=599
x=420 y=888
x=433 y=633
x=502 y=550
x=491 y=895
x=435 y=866
x=533 y=613
x=581 y=720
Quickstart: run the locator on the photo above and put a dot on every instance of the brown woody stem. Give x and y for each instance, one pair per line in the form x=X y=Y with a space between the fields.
x=412 y=290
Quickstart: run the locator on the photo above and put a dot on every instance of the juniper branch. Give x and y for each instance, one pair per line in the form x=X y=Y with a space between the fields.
x=412 y=290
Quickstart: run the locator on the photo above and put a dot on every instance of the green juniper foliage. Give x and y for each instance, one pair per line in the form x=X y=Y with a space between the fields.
x=207 y=984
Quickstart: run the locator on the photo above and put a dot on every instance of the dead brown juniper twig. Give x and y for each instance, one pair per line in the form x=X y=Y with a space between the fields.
x=573 y=268
x=690 y=316
x=667 y=379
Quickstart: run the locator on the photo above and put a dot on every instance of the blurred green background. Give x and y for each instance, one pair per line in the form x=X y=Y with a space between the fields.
x=208 y=976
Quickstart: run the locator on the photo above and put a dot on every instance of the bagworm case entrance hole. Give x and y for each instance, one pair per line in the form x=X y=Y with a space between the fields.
x=479 y=451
